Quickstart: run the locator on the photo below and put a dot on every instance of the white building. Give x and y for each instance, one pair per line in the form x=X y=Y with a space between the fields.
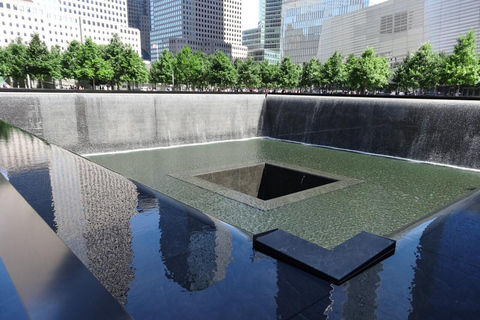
x=58 y=22
x=398 y=27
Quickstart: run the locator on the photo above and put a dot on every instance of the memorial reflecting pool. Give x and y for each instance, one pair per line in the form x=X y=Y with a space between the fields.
x=389 y=194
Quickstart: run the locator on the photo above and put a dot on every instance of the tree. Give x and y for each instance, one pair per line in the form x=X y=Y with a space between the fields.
x=289 y=74
x=133 y=67
x=70 y=60
x=248 y=73
x=311 y=74
x=222 y=74
x=54 y=65
x=5 y=60
x=333 y=73
x=91 y=65
x=18 y=54
x=423 y=70
x=401 y=77
x=38 y=59
x=161 y=71
x=202 y=67
x=462 y=67
x=114 y=53
x=182 y=65
x=350 y=64
x=269 y=74
x=368 y=71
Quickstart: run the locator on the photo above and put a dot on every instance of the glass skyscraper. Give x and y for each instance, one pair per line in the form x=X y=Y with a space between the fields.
x=205 y=25
x=263 y=42
x=302 y=22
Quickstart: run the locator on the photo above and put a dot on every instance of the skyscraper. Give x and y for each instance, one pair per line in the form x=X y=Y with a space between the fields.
x=59 y=22
x=205 y=25
x=139 y=17
x=398 y=27
x=302 y=22
x=263 y=42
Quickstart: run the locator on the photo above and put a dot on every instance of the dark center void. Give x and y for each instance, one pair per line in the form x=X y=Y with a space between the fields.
x=266 y=181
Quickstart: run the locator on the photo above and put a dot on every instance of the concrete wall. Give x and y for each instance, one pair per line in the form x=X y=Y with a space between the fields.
x=101 y=122
x=437 y=130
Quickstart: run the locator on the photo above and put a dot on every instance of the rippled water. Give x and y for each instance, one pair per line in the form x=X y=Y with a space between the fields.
x=393 y=194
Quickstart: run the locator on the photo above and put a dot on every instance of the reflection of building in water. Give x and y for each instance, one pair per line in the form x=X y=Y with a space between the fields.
x=88 y=206
x=196 y=255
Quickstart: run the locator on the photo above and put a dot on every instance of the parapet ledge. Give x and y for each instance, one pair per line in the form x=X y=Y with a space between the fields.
x=337 y=265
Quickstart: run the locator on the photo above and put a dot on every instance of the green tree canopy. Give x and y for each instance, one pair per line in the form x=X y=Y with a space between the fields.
x=248 y=73
x=133 y=67
x=334 y=72
x=162 y=69
x=401 y=77
x=70 y=60
x=91 y=65
x=424 y=68
x=5 y=61
x=18 y=54
x=289 y=75
x=269 y=74
x=222 y=73
x=38 y=59
x=462 y=67
x=202 y=67
x=311 y=74
x=368 y=71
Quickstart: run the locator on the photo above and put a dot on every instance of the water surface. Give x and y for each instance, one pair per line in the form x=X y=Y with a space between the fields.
x=393 y=194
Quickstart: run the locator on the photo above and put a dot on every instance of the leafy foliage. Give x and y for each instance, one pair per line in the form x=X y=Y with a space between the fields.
x=222 y=73
x=368 y=71
x=248 y=73
x=311 y=74
x=462 y=67
x=334 y=71
x=162 y=69
x=289 y=74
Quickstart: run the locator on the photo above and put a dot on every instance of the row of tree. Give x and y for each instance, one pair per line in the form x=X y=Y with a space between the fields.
x=117 y=63
x=423 y=70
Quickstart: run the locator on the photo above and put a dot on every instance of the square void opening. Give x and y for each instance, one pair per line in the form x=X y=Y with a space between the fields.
x=266 y=181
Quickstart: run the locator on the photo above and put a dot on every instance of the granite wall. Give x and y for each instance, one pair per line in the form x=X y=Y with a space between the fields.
x=437 y=130
x=102 y=122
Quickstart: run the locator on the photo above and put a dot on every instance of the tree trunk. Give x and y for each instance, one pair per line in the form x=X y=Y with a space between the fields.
x=93 y=82
x=458 y=90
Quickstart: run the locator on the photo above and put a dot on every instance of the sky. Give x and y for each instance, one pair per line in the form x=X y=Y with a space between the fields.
x=250 y=14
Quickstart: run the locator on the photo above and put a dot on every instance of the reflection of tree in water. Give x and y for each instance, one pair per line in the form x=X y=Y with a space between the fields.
x=196 y=252
x=5 y=130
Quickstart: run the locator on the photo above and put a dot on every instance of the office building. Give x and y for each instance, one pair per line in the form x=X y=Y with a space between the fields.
x=398 y=27
x=302 y=22
x=139 y=18
x=59 y=22
x=205 y=25
x=263 y=42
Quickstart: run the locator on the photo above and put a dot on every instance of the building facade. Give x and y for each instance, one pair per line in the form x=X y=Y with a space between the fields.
x=263 y=42
x=205 y=25
x=302 y=23
x=59 y=22
x=139 y=18
x=398 y=27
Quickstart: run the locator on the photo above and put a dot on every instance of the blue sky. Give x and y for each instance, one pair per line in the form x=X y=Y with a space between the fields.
x=250 y=14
